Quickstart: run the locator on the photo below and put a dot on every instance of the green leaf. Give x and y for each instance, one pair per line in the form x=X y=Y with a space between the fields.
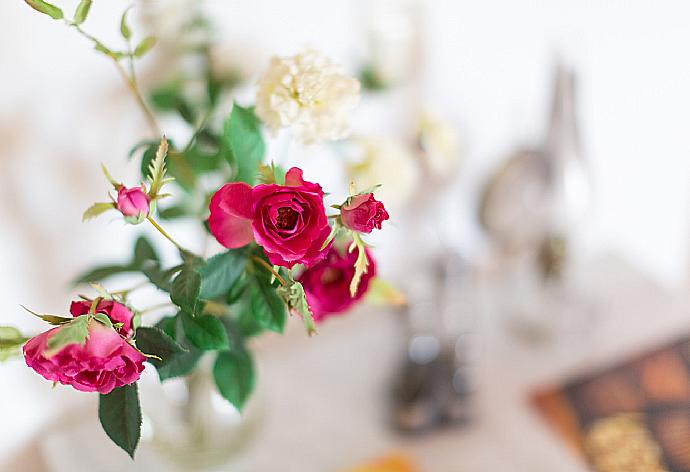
x=11 y=336
x=96 y=209
x=82 y=11
x=236 y=290
x=158 y=277
x=74 y=332
x=180 y=364
x=144 y=251
x=220 y=272
x=144 y=46
x=103 y=272
x=185 y=289
x=153 y=341
x=267 y=308
x=242 y=136
x=172 y=212
x=233 y=373
x=11 y=339
x=120 y=416
x=46 y=8
x=124 y=28
x=205 y=332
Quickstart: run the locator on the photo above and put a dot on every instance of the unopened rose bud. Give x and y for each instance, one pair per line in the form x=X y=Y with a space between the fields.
x=363 y=213
x=133 y=203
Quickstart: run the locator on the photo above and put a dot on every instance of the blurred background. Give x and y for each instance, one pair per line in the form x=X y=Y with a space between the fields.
x=536 y=165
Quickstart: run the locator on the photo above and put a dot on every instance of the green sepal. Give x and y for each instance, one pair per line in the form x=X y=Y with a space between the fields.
x=74 y=332
x=103 y=319
x=294 y=297
x=48 y=318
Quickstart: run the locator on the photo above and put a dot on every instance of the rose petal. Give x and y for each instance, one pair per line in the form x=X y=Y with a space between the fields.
x=231 y=213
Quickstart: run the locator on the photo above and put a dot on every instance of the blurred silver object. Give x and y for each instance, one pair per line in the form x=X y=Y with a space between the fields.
x=568 y=177
x=434 y=383
x=514 y=204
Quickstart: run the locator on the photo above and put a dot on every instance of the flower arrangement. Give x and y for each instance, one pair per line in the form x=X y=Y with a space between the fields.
x=284 y=252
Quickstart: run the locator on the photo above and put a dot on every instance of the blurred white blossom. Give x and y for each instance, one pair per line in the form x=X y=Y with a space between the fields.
x=388 y=162
x=309 y=93
x=440 y=144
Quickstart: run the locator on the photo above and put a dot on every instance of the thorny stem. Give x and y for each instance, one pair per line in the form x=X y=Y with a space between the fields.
x=270 y=269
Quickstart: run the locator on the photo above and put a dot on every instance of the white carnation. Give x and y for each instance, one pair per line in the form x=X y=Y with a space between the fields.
x=309 y=93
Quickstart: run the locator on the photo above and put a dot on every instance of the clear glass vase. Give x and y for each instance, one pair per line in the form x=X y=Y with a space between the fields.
x=192 y=427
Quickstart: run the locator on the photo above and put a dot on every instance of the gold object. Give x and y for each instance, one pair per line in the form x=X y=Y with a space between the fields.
x=621 y=443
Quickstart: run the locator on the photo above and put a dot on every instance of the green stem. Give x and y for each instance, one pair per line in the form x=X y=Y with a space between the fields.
x=130 y=82
x=270 y=269
x=155 y=307
x=166 y=235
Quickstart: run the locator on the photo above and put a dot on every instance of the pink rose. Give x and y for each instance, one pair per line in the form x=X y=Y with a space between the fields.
x=327 y=283
x=106 y=361
x=289 y=221
x=133 y=203
x=363 y=213
x=117 y=312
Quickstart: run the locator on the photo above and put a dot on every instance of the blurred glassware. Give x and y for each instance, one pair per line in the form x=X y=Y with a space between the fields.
x=191 y=426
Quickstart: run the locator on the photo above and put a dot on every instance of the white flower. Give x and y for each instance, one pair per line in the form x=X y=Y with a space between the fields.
x=387 y=162
x=309 y=93
x=440 y=143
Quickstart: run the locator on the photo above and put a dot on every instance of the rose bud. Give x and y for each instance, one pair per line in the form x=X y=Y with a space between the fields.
x=105 y=361
x=289 y=221
x=117 y=312
x=327 y=283
x=363 y=213
x=133 y=203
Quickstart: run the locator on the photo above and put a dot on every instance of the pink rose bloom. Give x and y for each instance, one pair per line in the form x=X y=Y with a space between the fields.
x=117 y=312
x=327 y=283
x=133 y=203
x=363 y=213
x=106 y=361
x=289 y=221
